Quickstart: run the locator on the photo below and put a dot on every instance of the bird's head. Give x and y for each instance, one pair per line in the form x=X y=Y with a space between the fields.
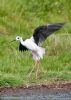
x=18 y=38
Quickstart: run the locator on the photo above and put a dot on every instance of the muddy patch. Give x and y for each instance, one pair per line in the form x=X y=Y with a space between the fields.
x=39 y=92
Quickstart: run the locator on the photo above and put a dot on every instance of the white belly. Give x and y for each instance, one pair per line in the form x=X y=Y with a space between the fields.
x=37 y=52
x=37 y=55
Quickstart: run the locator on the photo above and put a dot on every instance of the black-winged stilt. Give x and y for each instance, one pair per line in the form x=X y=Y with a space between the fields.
x=34 y=44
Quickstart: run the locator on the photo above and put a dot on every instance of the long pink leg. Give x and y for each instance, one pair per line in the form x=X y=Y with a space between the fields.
x=33 y=69
x=38 y=70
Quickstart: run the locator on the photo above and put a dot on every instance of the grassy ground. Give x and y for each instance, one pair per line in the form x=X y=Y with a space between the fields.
x=21 y=17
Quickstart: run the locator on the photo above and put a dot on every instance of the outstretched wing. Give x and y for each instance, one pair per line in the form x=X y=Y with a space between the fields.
x=22 y=48
x=42 y=32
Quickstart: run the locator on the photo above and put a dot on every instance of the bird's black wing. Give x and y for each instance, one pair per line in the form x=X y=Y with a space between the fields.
x=42 y=32
x=22 y=48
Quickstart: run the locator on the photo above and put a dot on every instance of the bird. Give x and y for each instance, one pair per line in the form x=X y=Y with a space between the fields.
x=34 y=43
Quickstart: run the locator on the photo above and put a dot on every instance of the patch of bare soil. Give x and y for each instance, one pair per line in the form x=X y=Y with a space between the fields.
x=36 y=89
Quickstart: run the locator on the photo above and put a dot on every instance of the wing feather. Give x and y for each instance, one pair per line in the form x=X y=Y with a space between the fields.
x=22 y=48
x=42 y=32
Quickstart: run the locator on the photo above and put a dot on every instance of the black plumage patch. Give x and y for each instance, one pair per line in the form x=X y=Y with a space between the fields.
x=42 y=32
x=22 y=48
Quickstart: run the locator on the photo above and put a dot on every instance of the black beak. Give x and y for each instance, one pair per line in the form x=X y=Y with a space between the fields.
x=12 y=41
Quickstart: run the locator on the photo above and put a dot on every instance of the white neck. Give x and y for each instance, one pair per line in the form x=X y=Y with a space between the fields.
x=21 y=41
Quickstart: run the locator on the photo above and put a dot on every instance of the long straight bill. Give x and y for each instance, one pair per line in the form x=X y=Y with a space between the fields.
x=12 y=41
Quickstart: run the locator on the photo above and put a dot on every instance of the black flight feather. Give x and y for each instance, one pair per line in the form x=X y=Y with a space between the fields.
x=22 y=48
x=42 y=32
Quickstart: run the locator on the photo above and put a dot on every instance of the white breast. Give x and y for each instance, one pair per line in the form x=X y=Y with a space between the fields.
x=30 y=44
x=37 y=52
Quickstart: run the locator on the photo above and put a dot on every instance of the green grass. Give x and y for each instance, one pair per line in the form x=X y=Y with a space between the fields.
x=21 y=17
